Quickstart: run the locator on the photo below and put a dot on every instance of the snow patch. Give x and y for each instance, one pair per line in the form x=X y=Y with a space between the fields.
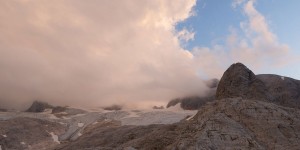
x=79 y=134
x=78 y=115
x=282 y=78
x=47 y=111
x=80 y=124
x=62 y=123
x=62 y=113
x=23 y=143
x=95 y=122
x=191 y=117
x=107 y=120
x=65 y=117
x=4 y=135
x=132 y=115
x=54 y=137
x=53 y=117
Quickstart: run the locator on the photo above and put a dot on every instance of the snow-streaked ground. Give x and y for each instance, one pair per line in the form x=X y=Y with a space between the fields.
x=76 y=120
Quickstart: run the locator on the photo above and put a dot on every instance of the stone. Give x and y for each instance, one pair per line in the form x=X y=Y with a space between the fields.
x=239 y=81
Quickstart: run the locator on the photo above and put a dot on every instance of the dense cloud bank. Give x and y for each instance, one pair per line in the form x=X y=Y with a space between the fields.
x=99 y=53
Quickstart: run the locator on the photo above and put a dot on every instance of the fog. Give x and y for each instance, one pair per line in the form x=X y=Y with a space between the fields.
x=98 y=53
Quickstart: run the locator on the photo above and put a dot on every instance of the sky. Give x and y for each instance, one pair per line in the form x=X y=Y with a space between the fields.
x=214 y=20
x=137 y=53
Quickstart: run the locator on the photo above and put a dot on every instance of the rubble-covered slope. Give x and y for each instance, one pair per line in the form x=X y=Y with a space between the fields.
x=225 y=124
x=29 y=133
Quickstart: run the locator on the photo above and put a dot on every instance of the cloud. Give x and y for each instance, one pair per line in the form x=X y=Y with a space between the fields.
x=127 y=52
x=95 y=53
x=257 y=46
x=236 y=3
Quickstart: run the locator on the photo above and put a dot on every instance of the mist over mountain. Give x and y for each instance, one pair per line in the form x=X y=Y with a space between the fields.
x=132 y=54
x=246 y=114
x=149 y=74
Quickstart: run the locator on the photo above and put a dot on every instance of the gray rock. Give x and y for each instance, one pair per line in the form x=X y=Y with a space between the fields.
x=28 y=133
x=38 y=106
x=233 y=123
x=239 y=81
x=285 y=90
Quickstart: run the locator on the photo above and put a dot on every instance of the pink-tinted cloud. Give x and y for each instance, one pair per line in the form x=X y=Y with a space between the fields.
x=258 y=48
x=94 y=53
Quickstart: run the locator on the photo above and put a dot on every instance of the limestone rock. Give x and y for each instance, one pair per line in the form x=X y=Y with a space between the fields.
x=239 y=81
x=285 y=90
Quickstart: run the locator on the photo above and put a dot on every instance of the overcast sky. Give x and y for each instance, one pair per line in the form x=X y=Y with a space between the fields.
x=135 y=52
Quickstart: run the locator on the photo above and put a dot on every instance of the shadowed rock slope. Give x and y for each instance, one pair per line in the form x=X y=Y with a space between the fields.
x=239 y=81
x=225 y=124
x=284 y=90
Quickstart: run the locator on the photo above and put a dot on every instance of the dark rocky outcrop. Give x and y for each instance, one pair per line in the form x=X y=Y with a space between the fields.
x=3 y=110
x=158 y=107
x=113 y=107
x=59 y=109
x=173 y=102
x=285 y=90
x=38 y=106
x=239 y=81
x=191 y=103
x=195 y=102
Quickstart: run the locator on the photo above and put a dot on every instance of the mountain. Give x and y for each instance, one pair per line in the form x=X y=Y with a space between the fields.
x=239 y=81
x=232 y=123
x=248 y=112
x=284 y=90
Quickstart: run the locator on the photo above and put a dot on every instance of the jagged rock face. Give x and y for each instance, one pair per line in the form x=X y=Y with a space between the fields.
x=239 y=81
x=38 y=106
x=285 y=90
x=225 y=124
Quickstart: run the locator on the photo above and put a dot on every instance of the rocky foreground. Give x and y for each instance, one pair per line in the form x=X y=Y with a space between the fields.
x=225 y=124
x=249 y=112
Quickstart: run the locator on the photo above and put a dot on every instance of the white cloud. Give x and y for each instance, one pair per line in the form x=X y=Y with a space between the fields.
x=236 y=3
x=103 y=52
x=185 y=35
x=258 y=48
x=94 y=53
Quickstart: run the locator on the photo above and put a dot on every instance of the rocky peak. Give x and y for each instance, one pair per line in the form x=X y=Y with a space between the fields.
x=239 y=81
